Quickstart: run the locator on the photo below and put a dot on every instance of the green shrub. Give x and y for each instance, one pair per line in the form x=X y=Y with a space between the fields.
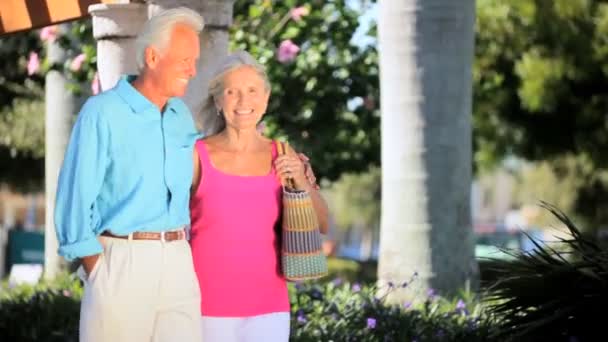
x=329 y=311
x=48 y=311
x=336 y=311
x=548 y=295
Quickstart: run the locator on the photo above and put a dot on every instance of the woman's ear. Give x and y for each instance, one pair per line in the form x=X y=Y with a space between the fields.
x=217 y=103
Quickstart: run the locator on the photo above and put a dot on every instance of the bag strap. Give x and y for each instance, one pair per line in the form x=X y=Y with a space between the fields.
x=281 y=150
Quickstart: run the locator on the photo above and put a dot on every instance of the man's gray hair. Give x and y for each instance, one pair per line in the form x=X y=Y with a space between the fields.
x=157 y=30
x=214 y=123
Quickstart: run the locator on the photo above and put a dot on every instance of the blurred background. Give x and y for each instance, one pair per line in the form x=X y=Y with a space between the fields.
x=539 y=116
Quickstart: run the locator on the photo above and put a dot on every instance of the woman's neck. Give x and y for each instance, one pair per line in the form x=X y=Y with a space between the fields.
x=241 y=140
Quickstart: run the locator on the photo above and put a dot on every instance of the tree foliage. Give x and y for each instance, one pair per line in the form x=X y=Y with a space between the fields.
x=541 y=80
x=356 y=199
x=540 y=92
x=311 y=93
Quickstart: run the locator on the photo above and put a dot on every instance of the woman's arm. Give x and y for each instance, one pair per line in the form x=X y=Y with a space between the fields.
x=196 y=172
x=321 y=209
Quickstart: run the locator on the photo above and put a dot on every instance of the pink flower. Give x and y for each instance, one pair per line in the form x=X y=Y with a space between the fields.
x=33 y=64
x=287 y=51
x=261 y=128
x=95 y=85
x=77 y=62
x=369 y=103
x=299 y=12
x=49 y=34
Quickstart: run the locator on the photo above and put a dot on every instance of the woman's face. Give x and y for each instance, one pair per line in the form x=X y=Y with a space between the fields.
x=245 y=98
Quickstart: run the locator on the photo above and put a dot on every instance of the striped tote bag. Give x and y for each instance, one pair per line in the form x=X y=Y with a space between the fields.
x=302 y=257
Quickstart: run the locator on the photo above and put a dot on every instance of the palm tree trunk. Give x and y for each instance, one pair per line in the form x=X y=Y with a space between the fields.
x=426 y=53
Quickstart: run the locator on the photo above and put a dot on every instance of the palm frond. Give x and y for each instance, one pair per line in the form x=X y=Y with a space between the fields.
x=548 y=294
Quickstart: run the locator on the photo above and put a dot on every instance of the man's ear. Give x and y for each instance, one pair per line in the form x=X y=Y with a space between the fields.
x=151 y=57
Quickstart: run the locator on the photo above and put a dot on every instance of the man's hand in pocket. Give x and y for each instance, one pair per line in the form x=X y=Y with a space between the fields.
x=89 y=262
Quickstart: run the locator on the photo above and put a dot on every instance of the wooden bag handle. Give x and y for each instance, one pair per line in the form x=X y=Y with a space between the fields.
x=282 y=149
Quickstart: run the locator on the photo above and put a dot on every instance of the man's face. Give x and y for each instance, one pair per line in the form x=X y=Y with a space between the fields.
x=176 y=65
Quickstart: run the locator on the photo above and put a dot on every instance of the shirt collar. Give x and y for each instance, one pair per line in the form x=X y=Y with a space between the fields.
x=136 y=100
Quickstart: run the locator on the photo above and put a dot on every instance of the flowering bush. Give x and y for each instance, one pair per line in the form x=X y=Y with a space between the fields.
x=341 y=311
x=334 y=311
x=79 y=46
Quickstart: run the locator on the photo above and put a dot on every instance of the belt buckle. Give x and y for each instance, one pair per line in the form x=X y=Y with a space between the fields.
x=162 y=237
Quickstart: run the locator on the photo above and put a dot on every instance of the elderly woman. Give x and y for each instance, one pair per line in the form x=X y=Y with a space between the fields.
x=235 y=205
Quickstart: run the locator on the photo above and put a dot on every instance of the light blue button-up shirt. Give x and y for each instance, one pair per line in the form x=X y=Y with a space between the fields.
x=127 y=168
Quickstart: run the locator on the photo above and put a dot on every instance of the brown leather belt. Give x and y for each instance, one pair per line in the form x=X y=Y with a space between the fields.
x=162 y=236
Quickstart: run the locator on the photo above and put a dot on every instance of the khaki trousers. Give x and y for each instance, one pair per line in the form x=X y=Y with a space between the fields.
x=141 y=290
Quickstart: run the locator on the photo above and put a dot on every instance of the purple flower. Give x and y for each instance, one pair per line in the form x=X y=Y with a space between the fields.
x=356 y=287
x=431 y=293
x=391 y=284
x=302 y=319
x=299 y=286
x=316 y=294
x=407 y=305
x=337 y=282
x=404 y=285
x=460 y=305
x=371 y=323
x=287 y=51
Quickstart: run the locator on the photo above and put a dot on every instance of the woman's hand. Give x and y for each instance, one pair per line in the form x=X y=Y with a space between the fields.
x=310 y=174
x=291 y=166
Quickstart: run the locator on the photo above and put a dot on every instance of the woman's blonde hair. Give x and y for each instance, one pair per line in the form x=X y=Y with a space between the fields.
x=213 y=121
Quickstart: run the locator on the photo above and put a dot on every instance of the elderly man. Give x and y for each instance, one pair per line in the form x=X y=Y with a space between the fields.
x=123 y=192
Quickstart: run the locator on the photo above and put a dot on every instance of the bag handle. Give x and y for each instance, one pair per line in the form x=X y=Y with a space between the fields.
x=281 y=150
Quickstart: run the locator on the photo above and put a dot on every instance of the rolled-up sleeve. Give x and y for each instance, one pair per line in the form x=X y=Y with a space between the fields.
x=80 y=180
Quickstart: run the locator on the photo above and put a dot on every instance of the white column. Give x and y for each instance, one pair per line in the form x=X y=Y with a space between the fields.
x=115 y=27
x=59 y=110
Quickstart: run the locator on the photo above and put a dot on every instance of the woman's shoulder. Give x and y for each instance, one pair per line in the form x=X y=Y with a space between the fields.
x=207 y=139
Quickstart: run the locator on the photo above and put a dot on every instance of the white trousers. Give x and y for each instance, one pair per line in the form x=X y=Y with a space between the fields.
x=273 y=327
x=141 y=291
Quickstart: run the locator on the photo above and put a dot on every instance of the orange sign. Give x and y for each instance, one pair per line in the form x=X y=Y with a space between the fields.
x=20 y=15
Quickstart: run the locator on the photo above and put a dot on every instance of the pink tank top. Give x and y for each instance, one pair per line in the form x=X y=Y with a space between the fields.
x=234 y=244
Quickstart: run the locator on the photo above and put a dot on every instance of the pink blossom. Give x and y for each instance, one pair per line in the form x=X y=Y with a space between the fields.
x=77 y=62
x=95 y=85
x=49 y=33
x=261 y=128
x=299 y=12
x=287 y=51
x=369 y=102
x=33 y=64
